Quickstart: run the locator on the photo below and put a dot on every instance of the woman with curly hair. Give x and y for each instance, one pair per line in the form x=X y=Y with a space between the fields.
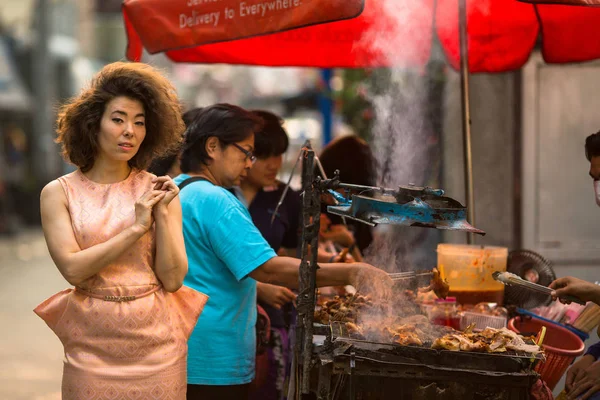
x=115 y=233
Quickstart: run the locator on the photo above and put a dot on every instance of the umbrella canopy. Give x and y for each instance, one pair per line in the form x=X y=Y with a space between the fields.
x=501 y=35
x=171 y=24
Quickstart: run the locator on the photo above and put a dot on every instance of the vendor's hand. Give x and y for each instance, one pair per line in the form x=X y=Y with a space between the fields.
x=273 y=295
x=340 y=258
x=165 y=184
x=369 y=279
x=338 y=234
x=570 y=286
x=575 y=372
x=343 y=257
x=587 y=384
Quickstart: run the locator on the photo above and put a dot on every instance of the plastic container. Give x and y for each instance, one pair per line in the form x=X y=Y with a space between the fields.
x=560 y=345
x=445 y=313
x=468 y=270
x=481 y=321
x=582 y=335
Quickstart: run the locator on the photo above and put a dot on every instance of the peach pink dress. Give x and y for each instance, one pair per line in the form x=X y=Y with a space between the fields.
x=124 y=336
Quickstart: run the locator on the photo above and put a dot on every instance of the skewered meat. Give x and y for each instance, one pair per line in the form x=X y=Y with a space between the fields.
x=439 y=286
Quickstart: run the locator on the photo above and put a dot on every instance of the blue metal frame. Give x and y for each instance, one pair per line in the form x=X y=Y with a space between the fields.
x=417 y=212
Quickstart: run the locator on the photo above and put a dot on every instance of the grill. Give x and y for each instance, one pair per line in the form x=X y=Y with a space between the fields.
x=349 y=368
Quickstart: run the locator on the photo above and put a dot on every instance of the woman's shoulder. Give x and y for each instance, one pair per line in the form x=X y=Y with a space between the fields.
x=142 y=175
x=205 y=192
x=52 y=188
x=62 y=182
x=54 y=191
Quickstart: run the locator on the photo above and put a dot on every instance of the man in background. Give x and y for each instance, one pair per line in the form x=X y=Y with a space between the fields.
x=583 y=377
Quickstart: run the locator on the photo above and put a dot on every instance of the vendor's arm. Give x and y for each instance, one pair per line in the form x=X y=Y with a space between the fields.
x=323 y=256
x=284 y=271
x=246 y=253
x=570 y=286
x=77 y=265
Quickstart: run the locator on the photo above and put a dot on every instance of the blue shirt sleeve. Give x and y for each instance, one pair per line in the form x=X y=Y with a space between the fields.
x=594 y=350
x=238 y=243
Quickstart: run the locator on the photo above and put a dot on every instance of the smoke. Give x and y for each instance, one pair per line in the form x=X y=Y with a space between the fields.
x=403 y=137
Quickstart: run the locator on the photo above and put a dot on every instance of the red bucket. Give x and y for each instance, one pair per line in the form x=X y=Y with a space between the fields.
x=560 y=346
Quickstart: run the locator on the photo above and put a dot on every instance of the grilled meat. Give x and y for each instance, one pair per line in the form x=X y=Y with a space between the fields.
x=490 y=340
x=439 y=286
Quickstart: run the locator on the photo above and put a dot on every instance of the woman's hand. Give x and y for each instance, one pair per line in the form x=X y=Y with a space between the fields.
x=576 y=370
x=144 y=206
x=587 y=384
x=273 y=295
x=165 y=184
x=369 y=279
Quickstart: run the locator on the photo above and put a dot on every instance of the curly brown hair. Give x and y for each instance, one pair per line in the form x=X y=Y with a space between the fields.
x=78 y=120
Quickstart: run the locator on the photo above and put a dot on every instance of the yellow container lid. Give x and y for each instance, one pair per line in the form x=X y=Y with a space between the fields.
x=472 y=250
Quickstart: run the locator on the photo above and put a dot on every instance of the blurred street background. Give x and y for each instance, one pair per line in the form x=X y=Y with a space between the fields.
x=531 y=181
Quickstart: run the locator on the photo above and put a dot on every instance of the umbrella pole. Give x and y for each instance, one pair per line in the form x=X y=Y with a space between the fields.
x=466 y=113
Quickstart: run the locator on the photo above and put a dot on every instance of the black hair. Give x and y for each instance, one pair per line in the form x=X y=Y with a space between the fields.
x=272 y=139
x=353 y=157
x=161 y=166
x=592 y=146
x=226 y=122
x=189 y=115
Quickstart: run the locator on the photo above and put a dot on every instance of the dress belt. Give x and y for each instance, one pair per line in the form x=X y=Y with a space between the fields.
x=118 y=299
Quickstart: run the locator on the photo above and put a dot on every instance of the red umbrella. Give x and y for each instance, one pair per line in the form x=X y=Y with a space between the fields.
x=501 y=34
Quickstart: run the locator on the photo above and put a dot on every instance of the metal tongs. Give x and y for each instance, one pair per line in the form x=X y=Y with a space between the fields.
x=401 y=276
x=510 y=279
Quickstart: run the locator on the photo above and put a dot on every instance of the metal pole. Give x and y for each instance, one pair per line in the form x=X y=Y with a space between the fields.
x=466 y=113
x=326 y=105
x=311 y=212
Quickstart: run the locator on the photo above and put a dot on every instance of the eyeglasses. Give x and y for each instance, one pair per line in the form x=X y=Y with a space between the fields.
x=248 y=153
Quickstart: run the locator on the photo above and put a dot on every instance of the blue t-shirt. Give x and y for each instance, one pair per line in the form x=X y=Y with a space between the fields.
x=223 y=246
x=282 y=232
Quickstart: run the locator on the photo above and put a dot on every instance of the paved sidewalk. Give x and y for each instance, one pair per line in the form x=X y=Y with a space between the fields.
x=30 y=354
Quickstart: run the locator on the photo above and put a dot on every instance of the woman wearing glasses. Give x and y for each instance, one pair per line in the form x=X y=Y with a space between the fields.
x=227 y=254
